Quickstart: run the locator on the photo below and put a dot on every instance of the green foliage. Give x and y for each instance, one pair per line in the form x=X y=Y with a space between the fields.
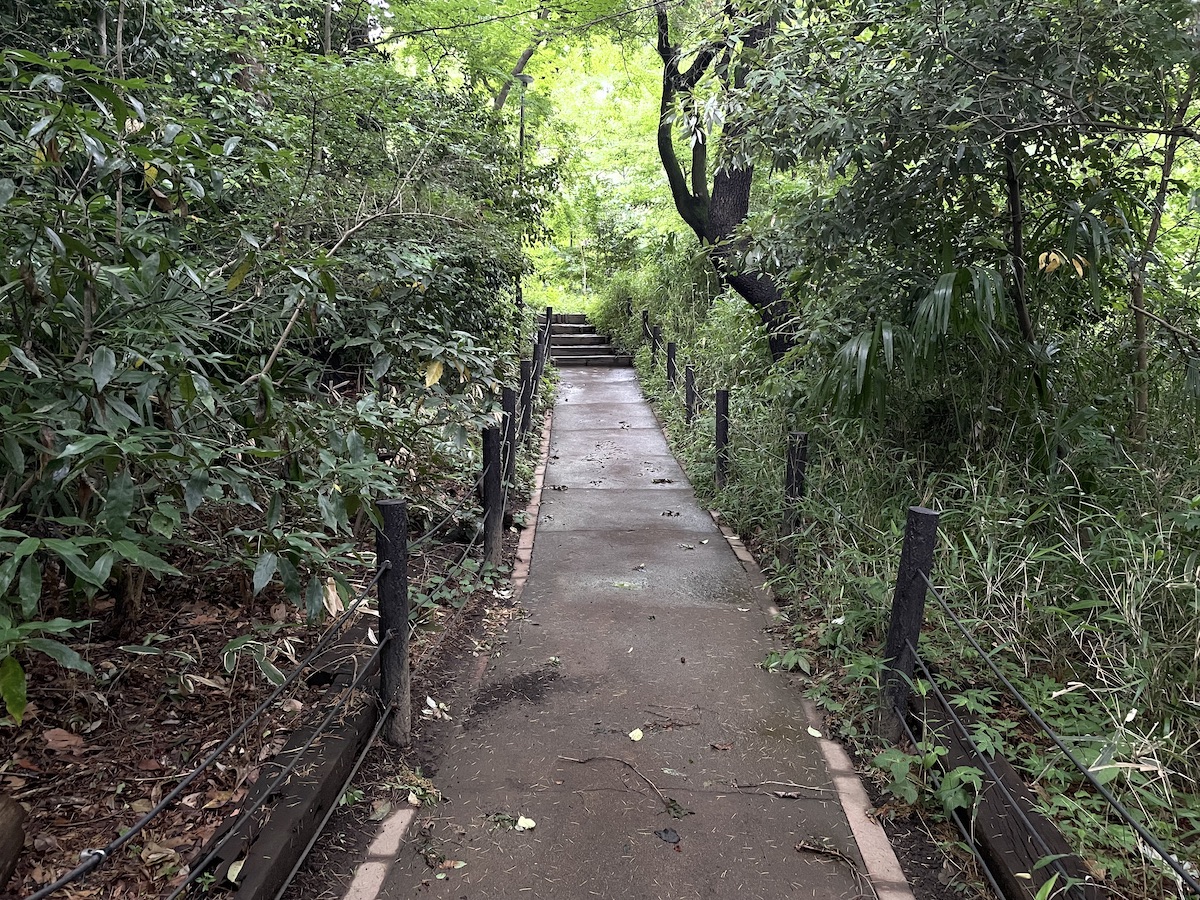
x=248 y=287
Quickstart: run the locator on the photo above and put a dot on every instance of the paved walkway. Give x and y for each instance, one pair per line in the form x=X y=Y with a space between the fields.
x=640 y=619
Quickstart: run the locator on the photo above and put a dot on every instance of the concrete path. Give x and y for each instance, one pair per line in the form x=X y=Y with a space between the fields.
x=640 y=619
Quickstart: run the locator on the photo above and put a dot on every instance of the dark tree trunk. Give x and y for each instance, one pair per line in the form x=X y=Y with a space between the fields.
x=715 y=212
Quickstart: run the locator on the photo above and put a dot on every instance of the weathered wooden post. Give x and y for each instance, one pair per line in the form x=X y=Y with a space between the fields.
x=493 y=495
x=908 y=612
x=526 y=397
x=721 y=470
x=509 y=403
x=689 y=394
x=655 y=340
x=671 y=373
x=395 y=678
x=646 y=324
x=541 y=346
x=793 y=492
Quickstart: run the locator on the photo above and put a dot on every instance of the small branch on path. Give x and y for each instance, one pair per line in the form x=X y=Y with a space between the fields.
x=636 y=771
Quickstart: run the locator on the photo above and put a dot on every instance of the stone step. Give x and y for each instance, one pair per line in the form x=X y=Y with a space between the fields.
x=564 y=319
x=592 y=349
x=608 y=360
x=576 y=340
x=572 y=328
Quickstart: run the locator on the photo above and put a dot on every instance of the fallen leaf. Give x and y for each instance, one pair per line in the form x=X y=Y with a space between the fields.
x=814 y=732
x=292 y=705
x=524 y=823
x=59 y=739
x=235 y=870
x=279 y=613
x=149 y=765
x=451 y=864
x=380 y=810
x=670 y=835
x=636 y=734
x=332 y=600
x=153 y=853
x=721 y=746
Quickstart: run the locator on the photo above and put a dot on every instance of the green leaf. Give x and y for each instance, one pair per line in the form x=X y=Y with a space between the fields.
x=139 y=557
x=314 y=598
x=265 y=570
x=12 y=688
x=290 y=578
x=83 y=445
x=30 y=586
x=19 y=355
x=59 y=625
x=8 y=188
x=118 y=504
x=13 y=454
x=193 y=492
x=72 y=556
x=104 y=364
x=269 y=669
x=61 y=654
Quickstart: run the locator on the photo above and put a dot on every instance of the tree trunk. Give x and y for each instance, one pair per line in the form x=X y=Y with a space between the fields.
x=12 y=837
x=1016 y=244
x=715 y=212
x=1137 y=286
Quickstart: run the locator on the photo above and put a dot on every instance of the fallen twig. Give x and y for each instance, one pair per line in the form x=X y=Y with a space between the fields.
x=636 y=771
x=834 y=853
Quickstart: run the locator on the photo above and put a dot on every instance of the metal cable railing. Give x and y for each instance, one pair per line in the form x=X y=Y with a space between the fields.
x=1181 y=872
x=266 y=794
x=92 y=859
x=1011 y=801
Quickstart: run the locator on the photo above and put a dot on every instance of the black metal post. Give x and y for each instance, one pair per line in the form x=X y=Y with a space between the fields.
x=671 y=373
x=526 y=397
x=509 y=402
x=493 y=495
x=721 y=471
x=689 y=394
x=395 y=679
x=655 y=341
x=908 y=612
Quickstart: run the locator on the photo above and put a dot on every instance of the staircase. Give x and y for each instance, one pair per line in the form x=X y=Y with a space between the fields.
x=573 y=342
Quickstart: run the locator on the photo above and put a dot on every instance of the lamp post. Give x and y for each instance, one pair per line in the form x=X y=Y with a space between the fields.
x=526 y=81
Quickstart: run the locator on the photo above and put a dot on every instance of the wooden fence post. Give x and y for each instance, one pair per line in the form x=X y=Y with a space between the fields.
x=797 y=463
x=509 y=402
x=493 y=495
x=671 y=373
x=526 y=397
x=689 y=394
x=646 y=324
x=721 y=470
x=395 y=678
x=908 y=612
x=655 y=340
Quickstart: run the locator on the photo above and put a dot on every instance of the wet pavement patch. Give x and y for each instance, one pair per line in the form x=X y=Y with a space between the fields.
x=528 y=687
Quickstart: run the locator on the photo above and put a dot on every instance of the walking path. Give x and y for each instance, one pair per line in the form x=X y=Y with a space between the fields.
x=641 y=620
